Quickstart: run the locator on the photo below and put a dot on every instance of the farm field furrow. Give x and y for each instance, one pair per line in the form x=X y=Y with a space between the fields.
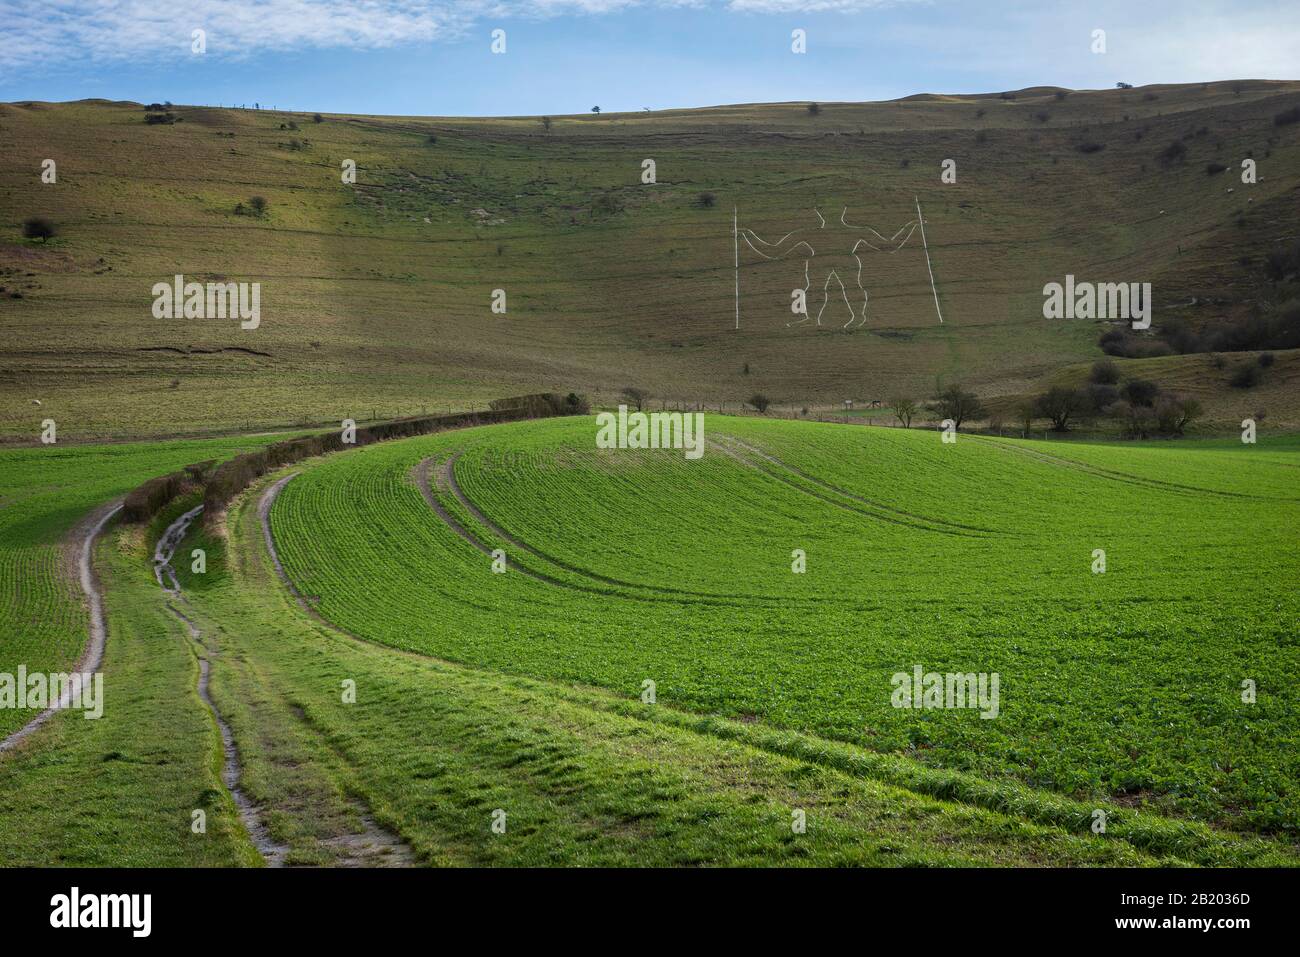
x=1123 y=686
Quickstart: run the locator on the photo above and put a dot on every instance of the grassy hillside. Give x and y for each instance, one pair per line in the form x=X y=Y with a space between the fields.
x=1122 y=687
x=376 y=296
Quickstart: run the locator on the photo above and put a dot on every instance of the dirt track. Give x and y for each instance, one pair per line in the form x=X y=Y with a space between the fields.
x=82 y=542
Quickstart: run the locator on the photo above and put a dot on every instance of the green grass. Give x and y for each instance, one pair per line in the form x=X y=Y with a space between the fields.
x=975 y=557
x=587 y=775
x=376 y=296
x=120 y=790
x=44 y=492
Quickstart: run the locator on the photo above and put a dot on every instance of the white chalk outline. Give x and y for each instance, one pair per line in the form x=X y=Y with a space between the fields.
x=833 y=273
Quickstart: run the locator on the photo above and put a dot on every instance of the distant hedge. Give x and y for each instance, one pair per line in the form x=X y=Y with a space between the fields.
x=145 y=501
x=233 y=476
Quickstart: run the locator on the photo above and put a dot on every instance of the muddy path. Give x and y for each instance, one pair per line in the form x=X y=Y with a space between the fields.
x=82 y=545
x=249 y=813
x=166 y=548
x=374 y=845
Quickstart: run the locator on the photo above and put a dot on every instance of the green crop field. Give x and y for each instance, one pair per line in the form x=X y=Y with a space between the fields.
x=1124 y=686
x=479 y=692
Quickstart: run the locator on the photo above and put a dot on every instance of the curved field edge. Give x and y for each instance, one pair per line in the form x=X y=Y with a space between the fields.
x=1146 y=741
x=588 y=777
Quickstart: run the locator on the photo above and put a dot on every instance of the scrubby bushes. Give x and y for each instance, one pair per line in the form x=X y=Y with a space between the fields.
x=1245 y=376
x=1116 y=342
x=1287 y=117
x=1140 y=391
x=1139 y=405
x=1282 y=263
x=147 y=500
x=1175 y=152
x=1270 y=328
x=1104 y=372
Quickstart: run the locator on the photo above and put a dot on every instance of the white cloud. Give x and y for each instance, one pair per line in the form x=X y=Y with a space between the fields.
x=133 y=29
x=808 y=6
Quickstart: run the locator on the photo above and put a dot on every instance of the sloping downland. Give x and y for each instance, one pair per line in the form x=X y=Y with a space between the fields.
x=376 y=296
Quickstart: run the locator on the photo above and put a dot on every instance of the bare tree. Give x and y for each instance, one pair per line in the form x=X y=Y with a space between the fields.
x=904 y=410
x=957 y=404
x=760 y=401
x=1059 y=404
x=635 y=396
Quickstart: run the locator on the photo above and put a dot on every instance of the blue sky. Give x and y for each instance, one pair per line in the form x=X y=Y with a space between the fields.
x=433 y=57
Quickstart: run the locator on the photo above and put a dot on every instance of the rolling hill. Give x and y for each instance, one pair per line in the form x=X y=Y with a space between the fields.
x=376 y=296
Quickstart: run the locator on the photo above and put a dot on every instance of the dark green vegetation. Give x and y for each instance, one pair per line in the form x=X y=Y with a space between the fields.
x=376 y=296
x=1123 y=687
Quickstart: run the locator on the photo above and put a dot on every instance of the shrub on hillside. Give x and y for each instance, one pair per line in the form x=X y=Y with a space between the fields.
x=1101 y=395
x=1175 y=152
x=760 y=401
x=1287 y=117
x=1090 y=147
x=1137 y=420
x=1212 y=168
x=1245 y=376
x=156 y=119
x=1104 y=372
x=707 y=200
x=38 y=227
x=258 y=205
x=1116 y=342
x=1139 y=391
x=1282 y=263
x=606 y=204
